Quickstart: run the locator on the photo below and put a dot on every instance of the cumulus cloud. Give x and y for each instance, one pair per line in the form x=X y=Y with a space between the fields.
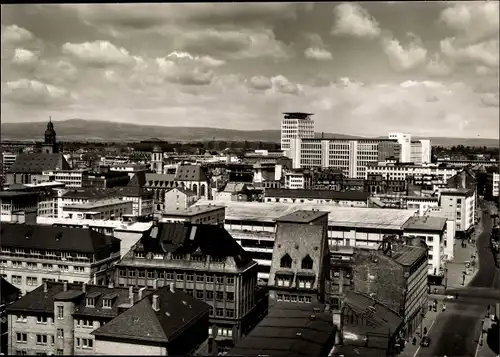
x=259 y=83
x=438 y=67
x=14 y=34
x=483 y=53
x=281 y=84
x=490 y=100
x=24 y=57
x=404 y=57
x=319 y=54
x=32 y=92
x=352 y=19
x=472 y=20
x=184 y=68
x=486 y=71
x=98 y=53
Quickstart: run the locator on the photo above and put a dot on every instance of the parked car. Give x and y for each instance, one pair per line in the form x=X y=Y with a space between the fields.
x=425 y=342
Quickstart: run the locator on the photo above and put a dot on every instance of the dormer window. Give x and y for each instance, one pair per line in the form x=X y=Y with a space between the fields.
x=307 y=262
x=285 y=281
x=90 y=302
x=286 y=261
x=177 y=257
x=107 y=303
x=139 y=254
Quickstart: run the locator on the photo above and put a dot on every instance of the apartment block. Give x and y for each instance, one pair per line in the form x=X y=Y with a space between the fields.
x=459 y=205
x=205 y=262
x=71 y=319
x=33 y=254
x=112 y=208
x=71 y=178
x=295 y=125
x=207 y=214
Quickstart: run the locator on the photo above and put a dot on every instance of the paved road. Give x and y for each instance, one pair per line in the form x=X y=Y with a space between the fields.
x=456 y=331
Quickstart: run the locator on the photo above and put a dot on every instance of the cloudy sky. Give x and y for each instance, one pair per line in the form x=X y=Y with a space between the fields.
x=425 y=68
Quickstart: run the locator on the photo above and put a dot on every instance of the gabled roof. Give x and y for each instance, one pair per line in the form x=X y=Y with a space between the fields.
x=38 y=162
x=91 y=193
x=183 y=190
x=138 y=180
x=142 y=323
x=43 y=302
x=54 y=238
x=190 y=173
x=185 y=238
x=8 y=290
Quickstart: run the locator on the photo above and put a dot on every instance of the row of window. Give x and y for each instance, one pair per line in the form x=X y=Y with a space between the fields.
x=47 y=253
x=33 y=281
x=176 y=276
x=36 y=266
x=294 y=298
x=287 y=282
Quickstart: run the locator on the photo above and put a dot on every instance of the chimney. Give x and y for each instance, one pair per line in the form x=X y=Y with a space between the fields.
x=141 y=291
x=45 y=287
x=156 y=302
x=84 y=287
x=131 y=294
x=65 y=286
x=172 y=288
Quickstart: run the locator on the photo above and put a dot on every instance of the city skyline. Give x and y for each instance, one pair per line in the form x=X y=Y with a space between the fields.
x=430 y=69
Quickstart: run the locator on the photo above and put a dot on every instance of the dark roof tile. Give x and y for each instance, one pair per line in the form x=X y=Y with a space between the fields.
x=190 y=173
x=317 y=194
x=38 y=162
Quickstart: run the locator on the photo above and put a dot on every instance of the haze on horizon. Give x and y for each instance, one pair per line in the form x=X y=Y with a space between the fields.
x=427 y=68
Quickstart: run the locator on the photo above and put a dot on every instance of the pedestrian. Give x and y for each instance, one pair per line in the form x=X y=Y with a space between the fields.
x=414 y=341
x=425 y=331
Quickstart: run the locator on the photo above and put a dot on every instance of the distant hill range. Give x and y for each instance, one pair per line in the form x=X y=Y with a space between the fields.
x=97 y=130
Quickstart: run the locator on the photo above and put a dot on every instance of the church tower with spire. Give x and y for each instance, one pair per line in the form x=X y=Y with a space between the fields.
x=50 y=143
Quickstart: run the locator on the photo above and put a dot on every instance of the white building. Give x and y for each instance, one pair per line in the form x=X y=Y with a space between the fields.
x=405 y=141
x=71 y=178
x=433 y=231
x=459 y=205
x=295 y=125
x=349 y=156
x=420 y=152
x=421 y=203
x=402 y=172
x=253 y=226
x=206 y=214
x=111 y=208
x=297 y=180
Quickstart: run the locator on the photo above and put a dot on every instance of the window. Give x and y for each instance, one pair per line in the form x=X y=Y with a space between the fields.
x=78 y=342
x=189 y=277
x=189 y=292
x=21 y=353
x=60 y=333
x=282 y=281
x=47 y=266
x=430 y=239
x=41 y=339
x=286 y=297
x=60 y=352
x=79 y=269
x=31 y=281
x=210 y=295
x=21 y=318
x=308 y=299
x=123 y=273
x=170 y=276
x=200 y=294
x=230 y=296
x=200 y=278
x=219 y=312
x=305 y=284
x=87 y=343
x=17 y=279
x=131 y=273
x=219 y=295
x=279 y=297
x=90 y=302
x=64 y=268
x=142 y=274
x=151 y=274
x=179 y=276
x=210 y=279
x=32 y=266
x=293 y=298
x=230 y=280
x=307 y=262
x=301 y=299
x=229 y=313
x=139 y=254
x=430 y=256
x=86 y=323
x=220 y=280
x=286 y=261
x=60 y=312
x=17 y=264
x=41 y=319
x=107 y=303
x=21 y=337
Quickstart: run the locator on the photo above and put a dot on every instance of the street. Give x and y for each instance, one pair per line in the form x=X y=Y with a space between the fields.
x=456 y=331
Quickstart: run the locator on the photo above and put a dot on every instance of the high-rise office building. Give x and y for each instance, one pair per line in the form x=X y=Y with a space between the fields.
x=295 y=125
x=405 y=141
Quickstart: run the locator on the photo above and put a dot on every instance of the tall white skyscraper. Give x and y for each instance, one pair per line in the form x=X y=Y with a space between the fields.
x=295 y=125
x=405 y=141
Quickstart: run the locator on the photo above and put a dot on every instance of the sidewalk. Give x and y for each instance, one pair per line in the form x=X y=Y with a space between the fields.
x=483 y=350
x=430 y=317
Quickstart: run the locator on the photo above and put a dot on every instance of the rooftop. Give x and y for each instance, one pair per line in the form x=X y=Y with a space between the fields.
x=16 y=194
x=193 y=211
x=290 y=330
x=36 y=163
x=425 y=223
x=317 y=194
x=373 y=218
x=55 y=238
x=302 y=216
x=407 y=255
x=297 y=115
x=95 y=204
x=455 y=191
x=115 y=224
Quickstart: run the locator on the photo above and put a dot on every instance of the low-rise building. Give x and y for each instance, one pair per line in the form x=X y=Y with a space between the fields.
x=71 y=178
x=111 y=208
x=298 y=179
x=395 y=274
x=207 y=214
x=431 y=230
x=27 y=165
x=326 y=197
x=142 y=200
x=206 y=262
x=179 y=198
x=70 y=319
x=300 y=258
x=290 y=330
x=32 y=254
x=378 y=184
x=13 y=202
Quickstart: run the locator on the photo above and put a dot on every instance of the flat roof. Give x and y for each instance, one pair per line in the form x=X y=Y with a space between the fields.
x=95 y=204
x=193 y=210
x=356 y=217
x=12 y=194
x=302 y=216
x=426 y=223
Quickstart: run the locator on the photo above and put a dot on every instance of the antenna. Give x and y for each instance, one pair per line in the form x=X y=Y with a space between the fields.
x=50 y=119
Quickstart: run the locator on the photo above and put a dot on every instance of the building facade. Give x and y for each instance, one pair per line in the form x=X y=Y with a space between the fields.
x=33 y=254
x=459 y=205
x=295 y=125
